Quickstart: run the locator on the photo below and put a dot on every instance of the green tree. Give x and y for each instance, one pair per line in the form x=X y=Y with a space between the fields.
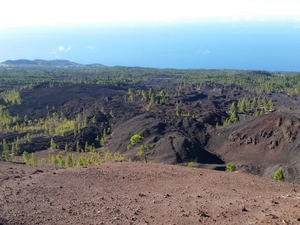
x=29 y=139
x=230 y=167
x=25 y=157
x=131 y=91
x=131 y=98
x=54 y=161
x=118 y=157
x=5 y=150
x=86 y=147
x=69 y=162
x=262 y=112
x=279 y=175
x=234 y=117
x=233 y=108
x=144 y=95
x=17 y=145
x=162 y=93
x=60 y=161
x=13 y=149
x=256 y=113
x=143 y=152
x=52 y=144
x=136 y=138
x=85 y=122
x=33 y=160
x=259 y=101
x=191 y=164
x=271 y=105
x=66 y=147
x=108 y=156
x=149 y=106
x=111 y=113
x=264 y=101
x=241 y=105
x=177 y=110
x=254 y=103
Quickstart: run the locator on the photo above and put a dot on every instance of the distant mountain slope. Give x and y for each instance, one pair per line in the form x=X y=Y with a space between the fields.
x=41 y=62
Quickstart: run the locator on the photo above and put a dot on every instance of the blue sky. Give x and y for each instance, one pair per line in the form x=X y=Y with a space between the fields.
x=217 y=34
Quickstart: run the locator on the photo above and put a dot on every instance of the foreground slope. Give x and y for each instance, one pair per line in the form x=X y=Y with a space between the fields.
x=137 y=193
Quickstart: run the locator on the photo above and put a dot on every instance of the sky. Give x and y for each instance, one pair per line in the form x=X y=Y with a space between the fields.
x=20 y=13
x=211 y=34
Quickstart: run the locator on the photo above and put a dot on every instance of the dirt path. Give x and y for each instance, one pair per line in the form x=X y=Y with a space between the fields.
x=137 y=193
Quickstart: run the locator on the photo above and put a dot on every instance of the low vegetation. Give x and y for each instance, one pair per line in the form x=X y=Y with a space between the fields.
x=279 y=175
x=230 y=167
x=66 y=160
x=191 y=164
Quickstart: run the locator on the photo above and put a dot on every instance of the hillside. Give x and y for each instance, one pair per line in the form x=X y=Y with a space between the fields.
x=182 y=115
x=73 y=139
x=261 y=145
x=38 y=62
x=138 y=193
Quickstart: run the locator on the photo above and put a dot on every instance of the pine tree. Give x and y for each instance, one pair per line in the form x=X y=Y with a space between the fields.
x=86 y=147
x=247 y=104
x=107 y=156
x=256 y=113
x=77 y=147
x=5 y=150
x=85 y=122
x=233 y=108
x=29 y=139
x=52 y=144
x=54 y=161
x=177 y=110
x=17 y=145
x=234 y=117
x=279 y=175
x=254 y=103
x=94 y=120
x=144 y=95
x=149 y=106
x=111 y=113
x=271 y=105
x=78 y=128
x=60 y=161
x=13 y=149
x=33 y=160
x=69 y=162
x=259 y=101
x=66 y=147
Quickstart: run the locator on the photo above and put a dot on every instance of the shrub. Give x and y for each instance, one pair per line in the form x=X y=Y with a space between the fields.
x=25 y=157
x=143 y=152
x=191 y=164
x=136 y=138
x=279 y=175
x=230 y=167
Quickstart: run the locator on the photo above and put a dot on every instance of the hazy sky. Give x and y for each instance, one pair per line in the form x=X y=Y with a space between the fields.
x=20 y=13
x=236 y=34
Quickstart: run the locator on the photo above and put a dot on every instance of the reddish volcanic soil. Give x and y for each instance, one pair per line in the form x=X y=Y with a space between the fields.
x=138 y=193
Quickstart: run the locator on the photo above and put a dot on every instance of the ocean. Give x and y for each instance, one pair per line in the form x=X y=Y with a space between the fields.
x=273 y=46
